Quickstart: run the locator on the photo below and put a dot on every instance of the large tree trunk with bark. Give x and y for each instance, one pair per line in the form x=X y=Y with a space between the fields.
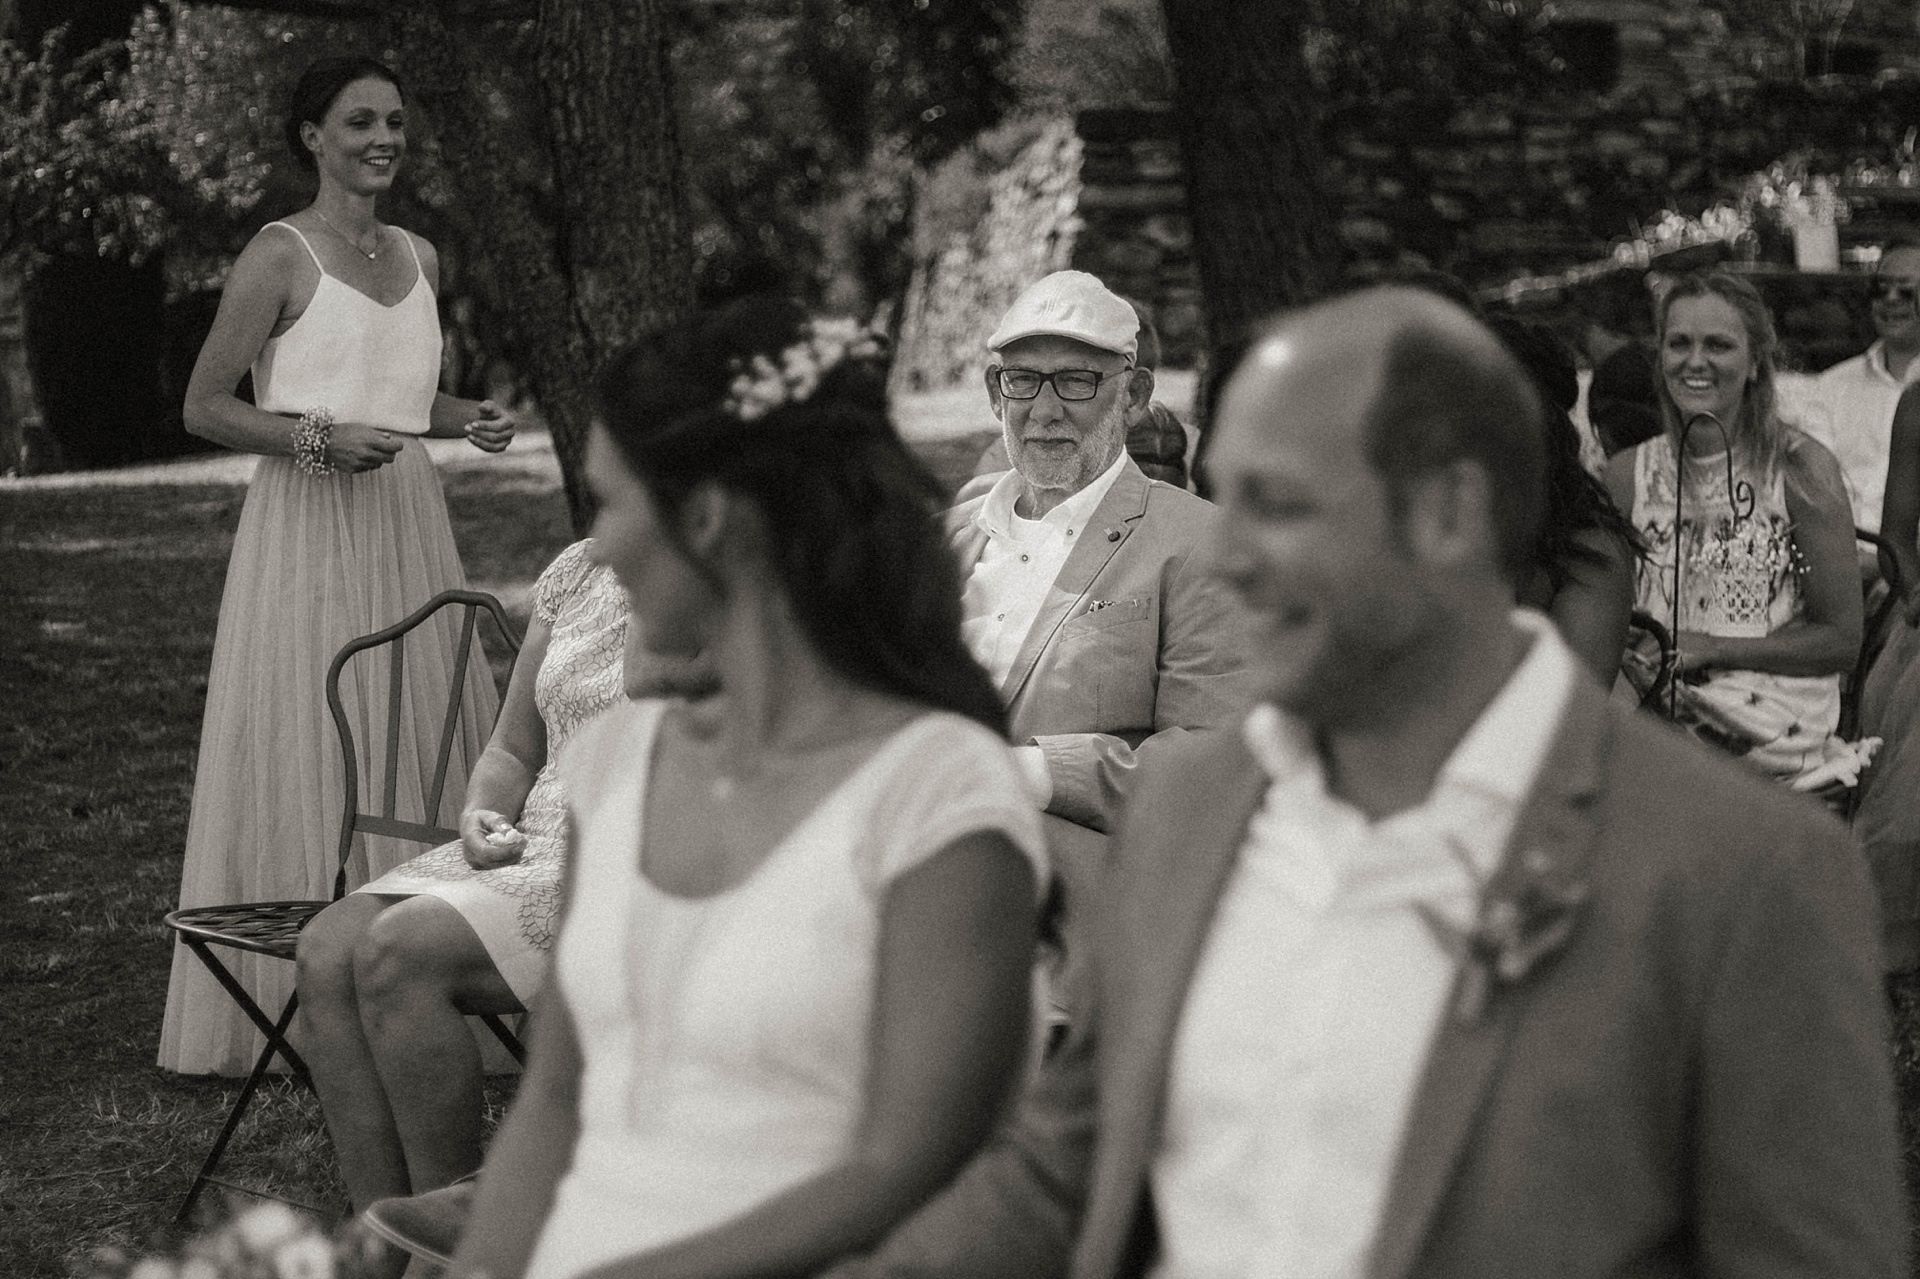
x=1262 y=231
x=574 y=272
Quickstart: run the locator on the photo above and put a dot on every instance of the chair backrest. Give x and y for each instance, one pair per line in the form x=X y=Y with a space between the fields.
x=1655 y=697
x=386 y=822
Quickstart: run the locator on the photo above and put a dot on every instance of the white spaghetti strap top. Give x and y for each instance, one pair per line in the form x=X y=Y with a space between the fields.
x=372 y=364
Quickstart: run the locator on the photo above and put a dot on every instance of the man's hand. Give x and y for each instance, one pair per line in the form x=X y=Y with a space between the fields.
x=490 y=840
x=493 y=429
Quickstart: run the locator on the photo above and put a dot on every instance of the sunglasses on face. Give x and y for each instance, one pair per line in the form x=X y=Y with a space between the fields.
x=1068 y=384
x=1900 y=292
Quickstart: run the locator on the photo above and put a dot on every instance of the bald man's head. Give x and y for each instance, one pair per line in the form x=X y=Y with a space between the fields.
x=1430 y=386
x=1378 y=464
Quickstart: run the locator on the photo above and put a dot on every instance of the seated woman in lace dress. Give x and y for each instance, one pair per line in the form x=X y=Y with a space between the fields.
x=386 y=973
x=1769 y=596
x=790 y=992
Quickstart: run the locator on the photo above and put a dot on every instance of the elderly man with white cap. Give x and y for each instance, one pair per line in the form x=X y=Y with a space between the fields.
x=1085 y=596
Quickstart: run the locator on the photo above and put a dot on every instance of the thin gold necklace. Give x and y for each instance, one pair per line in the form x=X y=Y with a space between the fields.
x=349 y=239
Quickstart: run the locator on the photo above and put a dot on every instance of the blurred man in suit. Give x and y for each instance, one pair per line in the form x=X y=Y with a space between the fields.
x=1440 y=965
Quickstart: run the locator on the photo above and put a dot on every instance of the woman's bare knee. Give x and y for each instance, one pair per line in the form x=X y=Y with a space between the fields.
x=324 y=953
x=415 y=946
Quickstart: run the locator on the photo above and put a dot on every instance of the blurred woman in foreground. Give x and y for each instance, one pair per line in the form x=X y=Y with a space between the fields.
x=790 y=990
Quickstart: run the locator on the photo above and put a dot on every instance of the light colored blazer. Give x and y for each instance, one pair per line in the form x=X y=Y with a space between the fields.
x=1135 y=641
x=1698 y=1083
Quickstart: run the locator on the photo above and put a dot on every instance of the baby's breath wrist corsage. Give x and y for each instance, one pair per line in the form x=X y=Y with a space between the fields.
x=312 y=435
x=762 y=385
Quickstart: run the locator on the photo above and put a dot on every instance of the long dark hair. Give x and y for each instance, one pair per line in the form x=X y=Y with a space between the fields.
x=1576 y=501
x=853 y=519
x=320 y=84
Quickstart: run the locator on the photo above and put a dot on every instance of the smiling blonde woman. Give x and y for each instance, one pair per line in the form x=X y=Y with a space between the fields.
x=1769 y=598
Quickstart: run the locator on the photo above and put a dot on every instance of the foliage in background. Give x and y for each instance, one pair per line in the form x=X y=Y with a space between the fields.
x=1411 y=60
x=1075 y=54
x=80 y=169
x=806 y=122
x=164 y=142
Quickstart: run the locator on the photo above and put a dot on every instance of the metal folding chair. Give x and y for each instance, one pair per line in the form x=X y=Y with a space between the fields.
x=273 y=928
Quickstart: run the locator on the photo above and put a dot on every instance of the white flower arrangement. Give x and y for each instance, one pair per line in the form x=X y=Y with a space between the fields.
x=1672 y=231
x=266 y=1241
x=763 y=386
x=1786 y=194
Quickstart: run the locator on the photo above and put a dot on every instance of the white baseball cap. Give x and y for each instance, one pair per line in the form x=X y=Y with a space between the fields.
x=1071 y=304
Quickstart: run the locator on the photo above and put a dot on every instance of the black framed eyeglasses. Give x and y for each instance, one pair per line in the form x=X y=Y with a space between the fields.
x=1068 y=384
x=1900 y=292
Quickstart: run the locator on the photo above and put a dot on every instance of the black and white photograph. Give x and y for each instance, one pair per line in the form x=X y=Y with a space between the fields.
x=959 y=639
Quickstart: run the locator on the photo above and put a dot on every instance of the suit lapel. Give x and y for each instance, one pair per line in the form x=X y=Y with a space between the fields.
x=1556 y=829
x=1164 y=907
x=1118 y=513
x=964 y=534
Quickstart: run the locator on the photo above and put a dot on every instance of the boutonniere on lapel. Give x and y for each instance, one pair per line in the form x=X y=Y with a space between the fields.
x=1526 y=913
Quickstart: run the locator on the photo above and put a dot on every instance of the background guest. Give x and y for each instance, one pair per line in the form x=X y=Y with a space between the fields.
x=1769 y=613
x=1156 y=439
x=344 y=532
x=389 y=973
x=1085 y=595
x=1886 y=816
x=1851 y=406
x=1583 y=564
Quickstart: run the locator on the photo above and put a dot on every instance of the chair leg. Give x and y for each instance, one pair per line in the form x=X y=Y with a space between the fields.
x=276 y=1034
x=275 y=1043
x=508 y=1040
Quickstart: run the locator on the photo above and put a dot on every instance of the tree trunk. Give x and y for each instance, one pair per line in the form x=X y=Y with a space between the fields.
x=619 y=262
x=1262 y=231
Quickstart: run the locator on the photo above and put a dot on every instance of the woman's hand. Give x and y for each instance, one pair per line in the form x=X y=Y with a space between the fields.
x=1695 y=653
x=352 y=446
x=490 y=840
x=493 y=429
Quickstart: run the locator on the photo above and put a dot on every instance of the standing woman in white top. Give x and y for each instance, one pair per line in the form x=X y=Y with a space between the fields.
x=344 y=532
x=790 y=990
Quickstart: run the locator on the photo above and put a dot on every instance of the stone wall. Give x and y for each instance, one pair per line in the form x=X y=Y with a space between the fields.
x=1496 y=190
x=968 y=275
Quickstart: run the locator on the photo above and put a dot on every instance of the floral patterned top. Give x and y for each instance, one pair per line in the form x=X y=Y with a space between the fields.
x=579 y=677
x=1740 y=575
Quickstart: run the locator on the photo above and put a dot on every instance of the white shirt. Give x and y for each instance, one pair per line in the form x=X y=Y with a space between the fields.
x=1010 y=581
x=1850 y=410
x=1319 y=989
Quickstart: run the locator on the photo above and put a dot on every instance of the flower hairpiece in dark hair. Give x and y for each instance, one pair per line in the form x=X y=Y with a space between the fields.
x=761 y=385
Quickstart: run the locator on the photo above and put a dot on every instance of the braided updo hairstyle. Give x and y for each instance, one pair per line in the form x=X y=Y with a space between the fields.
x=853 y=519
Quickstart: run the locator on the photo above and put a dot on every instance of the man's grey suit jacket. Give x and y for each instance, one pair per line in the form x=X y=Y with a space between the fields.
x=1698 y=1083
x=1135 y=640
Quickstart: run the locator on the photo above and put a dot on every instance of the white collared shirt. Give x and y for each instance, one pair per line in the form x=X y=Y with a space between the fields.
x=1320 y=987
x=1010 y=581
x=1849 y=408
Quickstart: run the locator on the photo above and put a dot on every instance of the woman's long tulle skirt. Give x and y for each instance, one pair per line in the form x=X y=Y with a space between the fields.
x=316 y=562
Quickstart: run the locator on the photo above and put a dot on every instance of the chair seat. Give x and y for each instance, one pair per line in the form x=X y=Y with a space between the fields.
x=266 y=928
